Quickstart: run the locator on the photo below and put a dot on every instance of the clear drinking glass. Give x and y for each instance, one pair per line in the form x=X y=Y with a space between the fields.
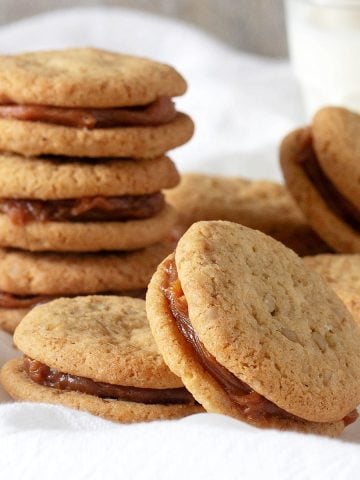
x=324 y=44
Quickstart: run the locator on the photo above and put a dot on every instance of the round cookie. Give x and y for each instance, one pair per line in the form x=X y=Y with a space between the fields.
x=36 y=138
x=264 y=318
x=336 y=133
x=263 y=205
x=342 y=273
x=86 y=237
x=85 y=77
x=11 y=317
x=25 y=273
x=106 y=340
x=49 y=179
x=340 y=235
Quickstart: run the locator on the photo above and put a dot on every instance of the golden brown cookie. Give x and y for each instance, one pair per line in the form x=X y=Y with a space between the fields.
x=336 y=137
x=86 y=237
x=28 y=273
x=262 y=205
x=53 y=179
x=328 y=212
x=96 y=354
x=85 y=77
x=342 y=273
x=28 y=279
x=253 y=333
x=11 y=317
x=36 y=138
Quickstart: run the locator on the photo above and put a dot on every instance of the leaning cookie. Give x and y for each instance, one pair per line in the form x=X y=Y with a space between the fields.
x=87 y=102
x=310 y=178
x=95 y=354
x=342 y=273
x=253 y=333
x=29 y=279
x=260 y=204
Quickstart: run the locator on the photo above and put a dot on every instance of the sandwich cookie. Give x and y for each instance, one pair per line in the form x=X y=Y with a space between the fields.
x=29 y=279
x=263 y=205
x=47 y=204
x=321 y=169
x=342 y=273
x=95 y=354
x=253 y=333
x=87 y=102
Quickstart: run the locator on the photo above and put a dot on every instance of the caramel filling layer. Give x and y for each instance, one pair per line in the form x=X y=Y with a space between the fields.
x=87 y=209
x=50 y=377
x=159 y=112
x=251 y=404
x=9 y=300
x=336 y=202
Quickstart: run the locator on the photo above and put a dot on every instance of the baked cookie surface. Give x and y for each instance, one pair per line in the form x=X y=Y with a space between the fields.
x=263 y=316
x=54 y=179
x=37 y=138
x=336 y=134
x=323 y=215
x=85 y=77
x=95 y=343
x=21 y=387
x=86 y=237
x=26 y=273
x=342 y=273
x=262 y=205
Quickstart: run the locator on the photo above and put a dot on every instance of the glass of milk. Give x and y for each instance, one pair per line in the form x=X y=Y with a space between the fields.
x=324 y=43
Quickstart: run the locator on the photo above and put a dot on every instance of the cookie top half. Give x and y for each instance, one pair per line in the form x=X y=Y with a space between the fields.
x=53 y=178
x=268 y=320
x=104 y=338
x=85 y=77
x=336 y=137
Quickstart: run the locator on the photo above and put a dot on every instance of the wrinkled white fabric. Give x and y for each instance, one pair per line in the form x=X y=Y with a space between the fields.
x=242 y=106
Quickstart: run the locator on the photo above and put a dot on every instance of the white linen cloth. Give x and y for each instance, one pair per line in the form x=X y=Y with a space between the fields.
x=242 y=106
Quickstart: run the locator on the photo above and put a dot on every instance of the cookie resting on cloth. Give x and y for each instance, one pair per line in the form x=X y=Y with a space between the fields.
x=259 y=204
x=253 y=333
x=324 y=202
x=95 y=343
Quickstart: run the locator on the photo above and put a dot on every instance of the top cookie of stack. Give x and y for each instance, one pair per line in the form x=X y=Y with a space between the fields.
x=108 y=119
x=89 y=103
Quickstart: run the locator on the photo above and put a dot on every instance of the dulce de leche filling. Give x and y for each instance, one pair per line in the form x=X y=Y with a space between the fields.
x=250 y=404
x=10 y=300
x=336 y=202
x=86 y=209
x=159 y=112
x=50 y=377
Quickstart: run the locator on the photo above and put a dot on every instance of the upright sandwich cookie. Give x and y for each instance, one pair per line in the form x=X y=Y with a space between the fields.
x=321 y=169
x=95 y=354
x=87 y=102
x=253 y=333
x=263 y=205
x=342 y=273
x=46 y=204
x=29 y=279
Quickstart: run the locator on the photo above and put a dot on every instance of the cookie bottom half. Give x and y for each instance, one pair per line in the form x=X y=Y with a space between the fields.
x=21 y=387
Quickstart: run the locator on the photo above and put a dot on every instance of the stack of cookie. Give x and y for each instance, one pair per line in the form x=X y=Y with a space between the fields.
x=81 y=208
